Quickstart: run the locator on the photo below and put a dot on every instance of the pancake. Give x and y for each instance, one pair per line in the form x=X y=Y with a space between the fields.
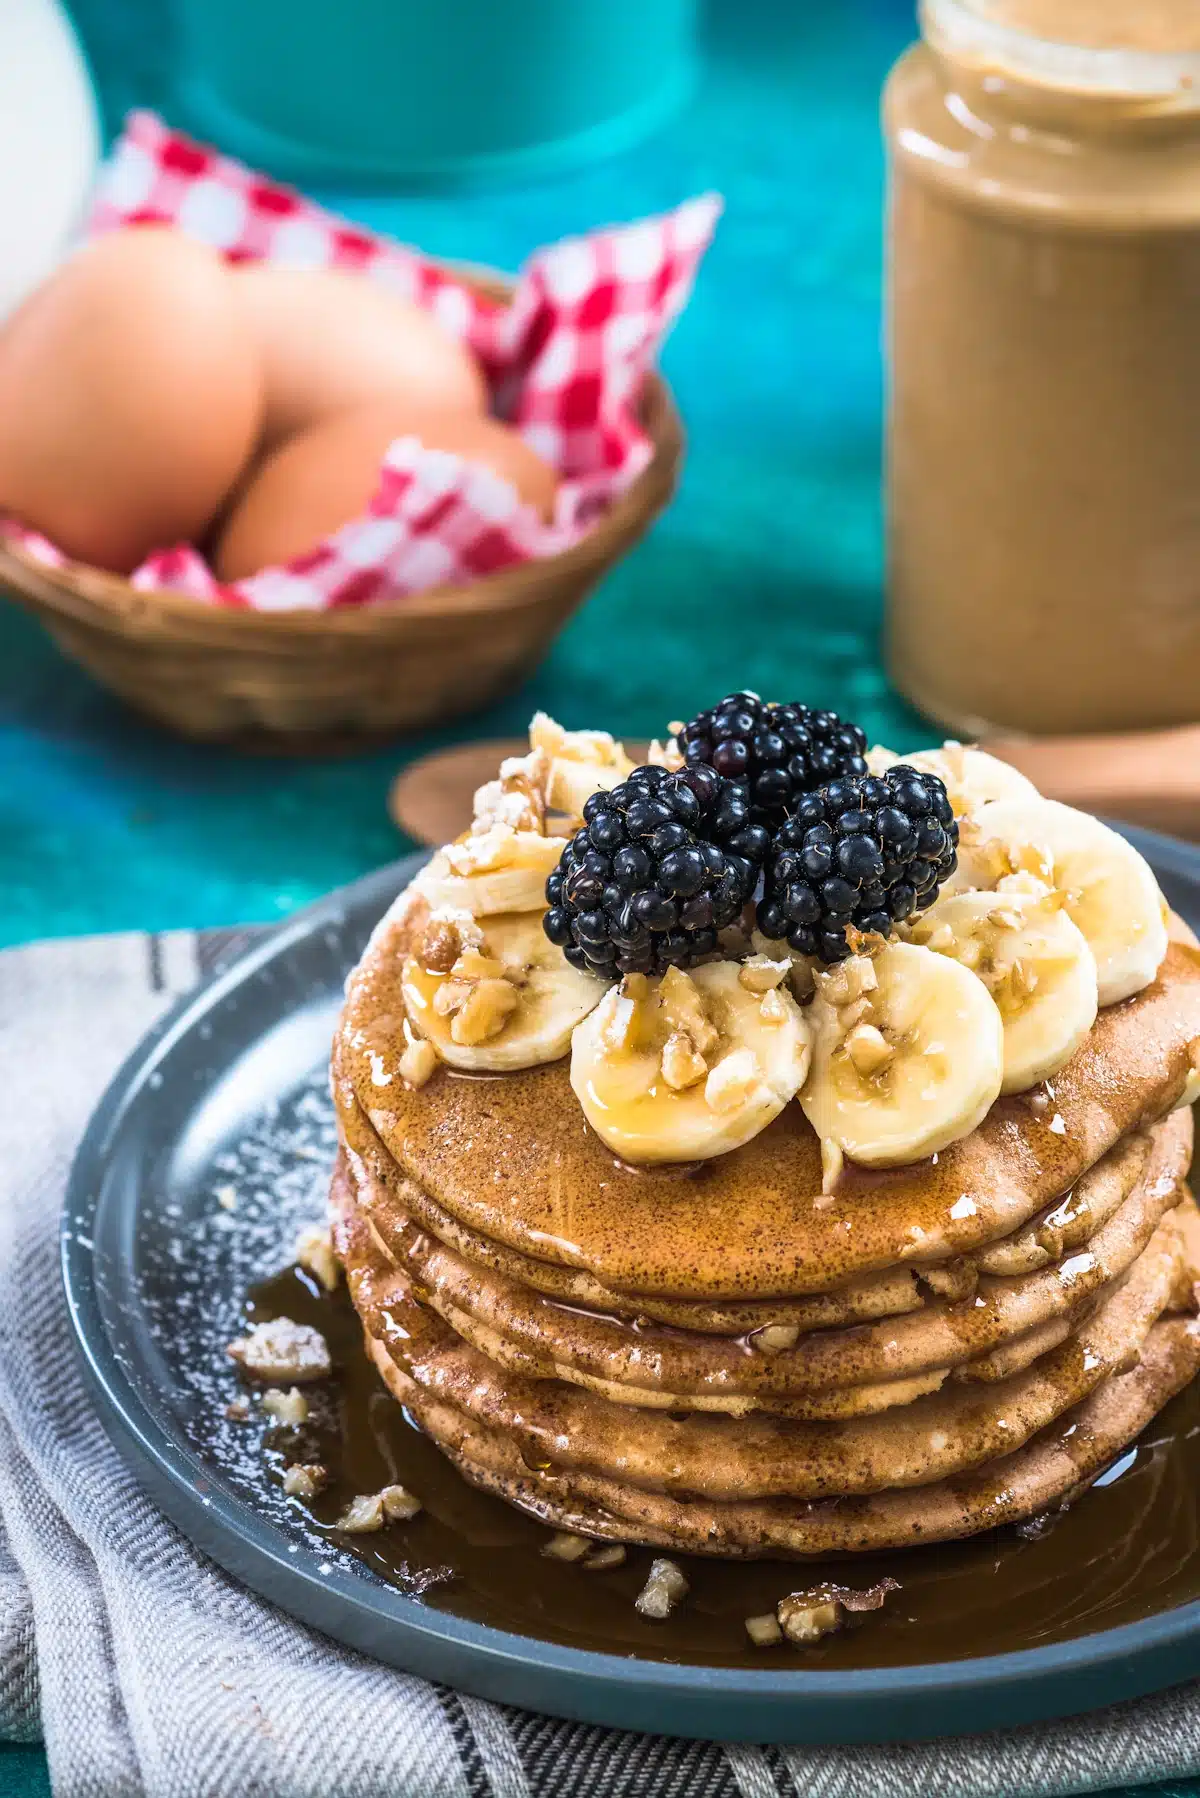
x=648 y=1365
x=551 y=1191
x=725 y=1359
x=1050 y=1471
x=565 y=1429
x=1063 y=1226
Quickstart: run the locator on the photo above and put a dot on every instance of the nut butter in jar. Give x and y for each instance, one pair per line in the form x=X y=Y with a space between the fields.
x=1044 y=432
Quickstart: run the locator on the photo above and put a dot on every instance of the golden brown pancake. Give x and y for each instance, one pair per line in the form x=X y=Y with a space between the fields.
x=1065 y=1225
x=1050 y=1470
x=641 y=1363
x=513 y=1159
x=566 y=1429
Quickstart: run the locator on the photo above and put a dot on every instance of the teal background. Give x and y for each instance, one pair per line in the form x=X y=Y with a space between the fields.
x=765 y=573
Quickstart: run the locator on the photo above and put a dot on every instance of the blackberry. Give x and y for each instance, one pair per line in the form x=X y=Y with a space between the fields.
x=664 y=861
x=777 y=752
x=863 y=852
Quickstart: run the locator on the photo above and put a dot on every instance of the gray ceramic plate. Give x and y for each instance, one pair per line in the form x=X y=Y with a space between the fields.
x=228 y=1089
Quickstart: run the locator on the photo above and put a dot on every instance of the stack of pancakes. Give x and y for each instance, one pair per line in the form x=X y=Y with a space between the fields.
x=722 y=1358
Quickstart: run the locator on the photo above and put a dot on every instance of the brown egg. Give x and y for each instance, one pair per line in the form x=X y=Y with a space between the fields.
x=326 y=476
x=130 y=398
x=330 y=340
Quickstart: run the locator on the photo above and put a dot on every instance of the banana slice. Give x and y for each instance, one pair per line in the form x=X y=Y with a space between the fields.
x=908 y=1055
x=510 y=1001
x=1034 y=962
x=688 y=1066
x=1108 y=889
x=972 y=778
x=580 y=763
x=500 y=870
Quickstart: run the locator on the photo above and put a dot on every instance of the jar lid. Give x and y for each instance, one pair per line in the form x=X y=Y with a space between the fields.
x=1118 y=48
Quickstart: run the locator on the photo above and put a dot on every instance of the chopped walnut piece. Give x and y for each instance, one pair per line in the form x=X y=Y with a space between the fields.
x=565 y=1546
x=314 y=1251
x=999 y=861
x=289 y=1408
x=805 y=1619
x=238 y=1410
x=418 y=1061
x=363 y=1516
x=399 y=1505
x=450 y=997
x=372 y=1511
x=624 y=1007
x=762 y=975
x=775 y=1339
x=485 y=1012
x=517 y=797
x=764 y=1631
x=868 y=1049
x=682 y=1065
x=494 y=806
x=858 y=1011
x=473 y=964
x=733 y=1079
x=601 y=1559
x=664 y=1588
x=304 y=1479
x=440 y=946
x=684 y=1011
x=806 y=1616
x=282 y=1350
x=773 y=1009
x=848 y=981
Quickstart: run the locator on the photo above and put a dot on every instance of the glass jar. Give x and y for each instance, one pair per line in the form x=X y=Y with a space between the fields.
x=1044 y=326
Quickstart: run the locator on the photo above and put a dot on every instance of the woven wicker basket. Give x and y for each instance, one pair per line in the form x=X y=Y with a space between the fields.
x=303 y=680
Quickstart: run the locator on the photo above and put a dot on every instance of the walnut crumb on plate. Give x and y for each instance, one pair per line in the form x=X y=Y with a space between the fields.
x=289 y=1408
x=304 y=1479
x=282 y=1350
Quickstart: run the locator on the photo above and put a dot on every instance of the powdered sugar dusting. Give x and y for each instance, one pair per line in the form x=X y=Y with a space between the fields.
x=200 y=1271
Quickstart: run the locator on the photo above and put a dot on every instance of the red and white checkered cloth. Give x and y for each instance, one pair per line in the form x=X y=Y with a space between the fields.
x=564 y=361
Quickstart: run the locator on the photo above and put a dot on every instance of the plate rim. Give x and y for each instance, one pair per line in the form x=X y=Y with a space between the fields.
x=238 y=1537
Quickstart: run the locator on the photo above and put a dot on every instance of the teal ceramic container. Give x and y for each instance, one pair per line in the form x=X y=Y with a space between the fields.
x=429 y=93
